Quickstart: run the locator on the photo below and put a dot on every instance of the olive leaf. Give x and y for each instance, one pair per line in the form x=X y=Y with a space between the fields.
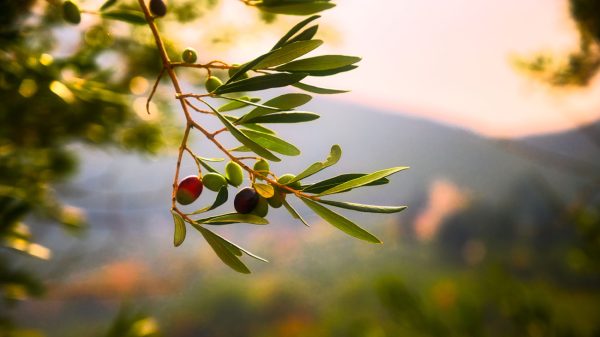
x=319 y=63
x=294 y=213
x=133 y=17
x=284 y=39
x=362 y=207
x=272 y=142
x=261 y=82
x=287 y=53
x=357 y=182
x=283 y=102
x=326 y=184
x=285 y=117
x=230 y=218
x=238 y=103
x=224 y=250
x=221 y=198
x=334 y=156
x=318 y=90
x=179 y=235
x=265 y=190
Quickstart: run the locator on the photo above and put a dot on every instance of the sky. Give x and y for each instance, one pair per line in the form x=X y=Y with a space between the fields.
x=450 y=60
x=447 y=60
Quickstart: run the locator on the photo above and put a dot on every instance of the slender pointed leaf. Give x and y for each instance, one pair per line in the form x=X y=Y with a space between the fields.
x=108 y=4
x=249 y=102
x=305 y=8
x=294 y=213
x=219 y=200
x=340 y=222
x=179 y=235
x=287 y=53
x=306 y=35
x=235 y=249
x=334 y=156
x=261 y=83
x=272 y=143
x=294 y=30
x=246 y=67
x=223 y=251
x=326 y=184
x=285 y=117
x=238 y=104
x=211 y=159
x=319 y=63
x=317 y=90
x=328 y=72
x=283 y=102
x=242 y=138
x=133 y=17
x=205 y=165
x=363 y=180
x=362 y=207
x=258 y=128
x=230 y=218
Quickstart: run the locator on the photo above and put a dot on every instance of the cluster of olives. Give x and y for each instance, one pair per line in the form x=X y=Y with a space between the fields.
x=247 y=200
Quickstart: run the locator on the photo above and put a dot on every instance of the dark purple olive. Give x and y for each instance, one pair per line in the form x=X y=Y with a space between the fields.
x=246 y=200
x=158 y=8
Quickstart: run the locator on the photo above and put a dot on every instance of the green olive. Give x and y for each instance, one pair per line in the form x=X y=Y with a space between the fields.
x=277 y=199
x=71 y=12
x=262 y=167
x=286 y=178
x=233 y=70
x=189 y=55
x=234 y=173
x=212 y=83
x=214 y=181
x=262 y=207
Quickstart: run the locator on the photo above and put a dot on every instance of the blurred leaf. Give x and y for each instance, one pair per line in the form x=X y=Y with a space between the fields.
x=340 y=222
x=330 y=72
x=223 y=249
x=242 y=138
x=318 y=63
x=297 y=8
x=261 y=83
x=237 y=104
x=220 y=200
x=133 y=17
x=108 y=4
x=364 y=208
x=334 y=156
x=272 y=143
x=211 y=159
x=265 y=190
x=307 y=34
x=317 y=90
x=258 y=128
x=323 y=185
x=363 y=180
x=294 y=213
x=285 y=117
x=230 y=218
x=288 y=53
x=179 y=235
x=283 y=102
x=294 y=30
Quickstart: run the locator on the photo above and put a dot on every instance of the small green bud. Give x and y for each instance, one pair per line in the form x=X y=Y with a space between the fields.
x=262 y=166
x=212 y=83
x=234 y=173
x=158 y=8
x=71 y=12
x=284 y=179
x=189 y=55
x=214 y=181
x=262 y=207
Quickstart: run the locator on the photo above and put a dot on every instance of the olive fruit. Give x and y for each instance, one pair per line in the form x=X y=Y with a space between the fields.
x=277 y=199
x=234 y=69
x=286 y=178
x=189 y=55
x=246 y=200
x=262 y=167
x=188 y=190
x=212 y=83
x=234 y=173
x=262 y=207
x=71 y=12
x=214 y=181
x=158 y=8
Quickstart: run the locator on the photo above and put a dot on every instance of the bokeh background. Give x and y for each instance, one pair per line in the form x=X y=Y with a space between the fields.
x=493 y=105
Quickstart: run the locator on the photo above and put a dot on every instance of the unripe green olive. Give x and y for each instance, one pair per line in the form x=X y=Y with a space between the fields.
x=71 y=12
x=233 y=70
x=277 y=199
x=214 y=181
x=188 y=190
x=262 y=207
x=212 y=83
x=234 y=173
x=189 y=55
x=158 y=8
x=284 y=179
x=262 y=166
x=246 y=200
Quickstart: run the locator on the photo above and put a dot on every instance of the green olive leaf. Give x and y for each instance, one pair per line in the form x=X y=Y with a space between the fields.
x=285 y=117
x=108 y=4
x=318 y=90
x=133 y=17
x=284 y=39
x=306 y=35
x=319 y=63
x=179 y=235
x=283 y=102
x=226 y=251
x=362 y=207
x=326 y=184
x=287 y=53
x=230 y=218
x=272 y=142
x=238 y=103
x=294 y=213
x=340 y=222
x=334 y=156
x=221 y=198
x=357 y=182
x=261 y=83
x=265 y=190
